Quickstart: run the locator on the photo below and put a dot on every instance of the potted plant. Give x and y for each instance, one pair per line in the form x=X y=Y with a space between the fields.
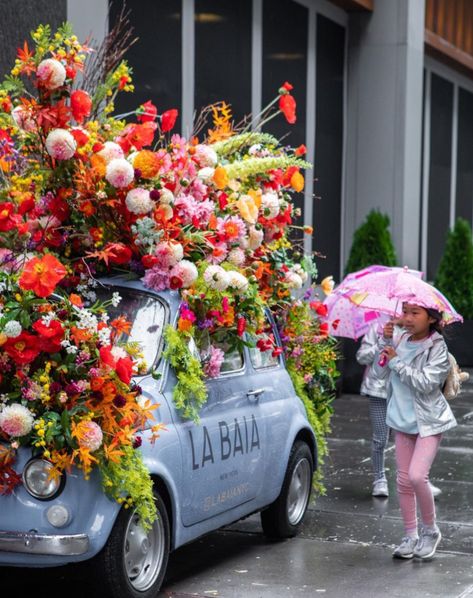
x=372 y=244
x=455 y=279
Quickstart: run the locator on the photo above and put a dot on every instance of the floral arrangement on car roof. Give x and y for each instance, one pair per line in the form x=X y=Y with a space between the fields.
x=84 y=193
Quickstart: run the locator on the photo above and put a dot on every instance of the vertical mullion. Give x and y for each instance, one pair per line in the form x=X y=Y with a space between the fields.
x=454 y=152
x=344 y=162
x=311 y=99
x=188 y=66
x=426 y=170
x=257 y=59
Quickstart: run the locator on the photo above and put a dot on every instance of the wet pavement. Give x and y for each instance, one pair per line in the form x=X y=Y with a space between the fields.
x=344 y=549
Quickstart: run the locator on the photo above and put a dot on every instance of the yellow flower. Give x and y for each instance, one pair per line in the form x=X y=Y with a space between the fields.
x=327 y=285
x=297 y=181
x=248 y=209
x=220 y=177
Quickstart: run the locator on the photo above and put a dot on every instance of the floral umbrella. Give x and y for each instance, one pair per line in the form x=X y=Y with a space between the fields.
x=347 y=313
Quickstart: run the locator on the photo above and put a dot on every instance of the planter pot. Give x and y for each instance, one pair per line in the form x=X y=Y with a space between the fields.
x=459 y=338
x=351 y=371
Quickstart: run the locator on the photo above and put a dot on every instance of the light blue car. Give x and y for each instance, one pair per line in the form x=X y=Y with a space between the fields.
x=253 y=450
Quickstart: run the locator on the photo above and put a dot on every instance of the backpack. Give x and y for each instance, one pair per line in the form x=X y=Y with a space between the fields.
x=455 y=378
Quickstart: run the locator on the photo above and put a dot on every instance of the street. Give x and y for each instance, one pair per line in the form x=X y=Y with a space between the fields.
x=346 y=541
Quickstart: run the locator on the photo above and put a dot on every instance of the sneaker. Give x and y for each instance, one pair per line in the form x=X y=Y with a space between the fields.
x=380 y=488
x=406 y=548
x=427 y=544
x=436 y=491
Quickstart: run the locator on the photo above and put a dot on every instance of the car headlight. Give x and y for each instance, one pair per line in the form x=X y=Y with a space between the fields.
x=38 y=480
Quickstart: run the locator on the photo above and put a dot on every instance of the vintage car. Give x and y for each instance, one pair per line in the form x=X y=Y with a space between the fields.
x=252 y=450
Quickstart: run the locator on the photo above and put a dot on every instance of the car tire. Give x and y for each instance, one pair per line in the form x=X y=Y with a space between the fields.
x=284 y=516
x=133 y=562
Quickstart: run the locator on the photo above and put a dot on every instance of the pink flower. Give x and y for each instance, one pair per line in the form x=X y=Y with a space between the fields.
x=138 y=201
x=168 y=254
x=186 y=272
x=51 y=73
x=60 y=144
x=16 y=420
x=156 y=279
x=111 y=151
x=89 y=435
x=214 y=363
x=119 y=173
x=231 y=228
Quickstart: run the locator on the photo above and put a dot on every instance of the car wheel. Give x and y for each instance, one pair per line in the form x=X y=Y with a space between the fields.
x=133 y=562
x=284 y=516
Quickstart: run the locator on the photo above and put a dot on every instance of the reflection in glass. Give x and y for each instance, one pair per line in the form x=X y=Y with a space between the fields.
x=464 y=191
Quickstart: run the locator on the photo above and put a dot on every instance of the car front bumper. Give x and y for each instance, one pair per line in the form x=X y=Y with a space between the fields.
x=34 y=543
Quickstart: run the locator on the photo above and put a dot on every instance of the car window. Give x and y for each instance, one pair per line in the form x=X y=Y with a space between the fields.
x=263 y=359
x=147 y=315
x=233 y=357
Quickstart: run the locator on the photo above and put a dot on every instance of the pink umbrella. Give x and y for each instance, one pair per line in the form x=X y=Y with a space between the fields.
x=351 y=310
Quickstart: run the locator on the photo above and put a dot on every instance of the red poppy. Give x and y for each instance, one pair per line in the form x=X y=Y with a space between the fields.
x=168 y=120
x=80 y=136
x=81 y=105
x=23 y=349
x=285 y=87
x=301 y=150
x=123 y=366
x=118 y=253
x=147 y=112
x=319 y=308
x=287 y=105
x=41 y=275
x=50 y=336
x=324 y=329
x=8 y=219
x=149 y=261
x=137 y=136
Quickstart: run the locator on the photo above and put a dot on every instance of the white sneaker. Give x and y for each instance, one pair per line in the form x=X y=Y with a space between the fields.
x=436 y=491
x=380 y=488
x=427 y=544
x=406 y=548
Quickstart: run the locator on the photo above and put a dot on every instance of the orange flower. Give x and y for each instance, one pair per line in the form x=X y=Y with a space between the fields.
x=79 y=335
x=184 y=325
x=220 y=177
x=121 y=326
x=248 y=208
x=75 y=300
x=147 y=163
x=41 y=275
x=327 y=285
x=297 y=181
x=98 y=164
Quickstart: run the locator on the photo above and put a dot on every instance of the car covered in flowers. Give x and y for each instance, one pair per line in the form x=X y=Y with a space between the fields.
x=252 y=449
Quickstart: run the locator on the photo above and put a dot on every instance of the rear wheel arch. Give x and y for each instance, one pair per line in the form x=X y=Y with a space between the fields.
x=162 y=489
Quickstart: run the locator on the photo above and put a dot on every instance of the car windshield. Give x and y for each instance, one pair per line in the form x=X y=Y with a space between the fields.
x=147 y=315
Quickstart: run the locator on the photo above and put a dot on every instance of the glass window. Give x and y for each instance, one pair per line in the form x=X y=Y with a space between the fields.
x=328 y=161
x=285 y=39
x=464 y=191
x=262 y=359
x=441 y=106
x=223 y=55
x=233 y=357
x=147 y=315
x=156 y=56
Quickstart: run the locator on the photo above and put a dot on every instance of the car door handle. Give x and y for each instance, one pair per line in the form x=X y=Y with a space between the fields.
x=253 y=395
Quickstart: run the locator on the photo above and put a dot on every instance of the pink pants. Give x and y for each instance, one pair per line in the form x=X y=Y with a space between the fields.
x=414 y=457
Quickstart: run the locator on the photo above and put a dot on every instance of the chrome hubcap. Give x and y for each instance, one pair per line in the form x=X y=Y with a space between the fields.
x=143 y=553
x=299 y=491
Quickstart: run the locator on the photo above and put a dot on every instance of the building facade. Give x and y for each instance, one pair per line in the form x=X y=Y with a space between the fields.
x=384 y=91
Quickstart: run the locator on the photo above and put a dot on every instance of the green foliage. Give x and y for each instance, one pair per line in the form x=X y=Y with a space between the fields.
x=372 y=244
x=190 y=392
x=127 y=481
x=455 y=274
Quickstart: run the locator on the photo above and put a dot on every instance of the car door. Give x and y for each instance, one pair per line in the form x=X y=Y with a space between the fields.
x=223 y=454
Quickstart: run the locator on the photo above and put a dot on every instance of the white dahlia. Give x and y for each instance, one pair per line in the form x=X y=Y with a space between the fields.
x=12 y=329
x=206 y=174
x=237 y=281
x=255 y=237
x=16 y=420
x=51 y=73
x=216 y=278
x=270 y=205
x=186 y=271
x=138 y=201
x=119 y=173
x=111 y=151
x=60 y=144
x=293 y=280
x=166 y=197
x=205 y=156
x=236 y=257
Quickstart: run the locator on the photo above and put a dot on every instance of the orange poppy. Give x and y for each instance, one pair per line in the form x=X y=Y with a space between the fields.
x=41 y=275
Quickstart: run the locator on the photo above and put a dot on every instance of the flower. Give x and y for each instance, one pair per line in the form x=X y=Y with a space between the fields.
x=168 y=120
x=23 y=119
x=50 y=335
x=60 y=144
x=248 y=208
x=255 y=237
x=138 y=201
x=119 y=173
x=270 y=205
x=216 y=278
x=22 y=349
x=185 y=273
x=147 y=112
x=118 y=253
x=41 y=275
x=89 y=435
x=327 y=285
x=166 y=196
x=293 y=280
x=12 y=329
x=111 y=151
x=287 y=105
x=51 y=73
x=205 y=156
x=168 y=254
x=237 y=281
x=297 y=181
x=236 y=257
x=16 y=420
x=231 y=228
x=220 y=177
x=81 y=105
x=213 y=365
x=320 y=308
x=147 y=162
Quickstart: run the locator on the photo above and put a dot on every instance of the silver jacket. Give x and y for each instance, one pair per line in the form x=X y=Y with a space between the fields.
x=426 y=375
x=372 y=385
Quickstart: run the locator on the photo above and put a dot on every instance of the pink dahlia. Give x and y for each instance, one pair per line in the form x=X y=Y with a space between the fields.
x=16 y=420
x=60 y=144
x=51 y=73
x=184 y=272
x=89 y=435
x=156 y=279
x=111 y=151
x=138 y=201
x=119 y=173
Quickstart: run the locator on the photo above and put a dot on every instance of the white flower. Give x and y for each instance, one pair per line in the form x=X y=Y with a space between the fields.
x=23 y=119
x=236 y=257
x=12 y=329
x=116 y=298
x=104 y=336
x=138 y=201
x=206 y=174
x=237 y=281
x=293 y=280
x=270 y=205
x=299 y=270
x=60 y=144
x=51 y=73
x=255 y=237
x=216 y=278
x=186 y=271
x=16 y=420
x=111 y=151
x=166 y=197
x=205 y=155
x=87 y=321
x=177 y=252
x=119 y=173
x=71 y=349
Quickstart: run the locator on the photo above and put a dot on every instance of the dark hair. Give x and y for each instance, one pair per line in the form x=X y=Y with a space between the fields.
x=437 y=315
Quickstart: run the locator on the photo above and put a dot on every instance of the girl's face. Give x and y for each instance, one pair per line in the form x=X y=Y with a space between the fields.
x=416 y=320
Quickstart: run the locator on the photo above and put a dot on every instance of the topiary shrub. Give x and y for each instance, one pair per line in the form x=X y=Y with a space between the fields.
x=372 y=244
x=455 y=274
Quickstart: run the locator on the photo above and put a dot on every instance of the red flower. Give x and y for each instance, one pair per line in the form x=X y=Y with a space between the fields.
x=324 y=329
x=123 y=365
x=168 y=120
x=50 y=336
x=41 y=275
x=175 y=283
x=319 y=308
x=147 y=112
x=287 y=105
x=81 y=105
x=80 y=136
x=241 y=325
x=137 y=136
x=301 y=150
x=149 y=261
x=8 y=219
x=118 y=253
x=23 y=349
x=285 y=87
